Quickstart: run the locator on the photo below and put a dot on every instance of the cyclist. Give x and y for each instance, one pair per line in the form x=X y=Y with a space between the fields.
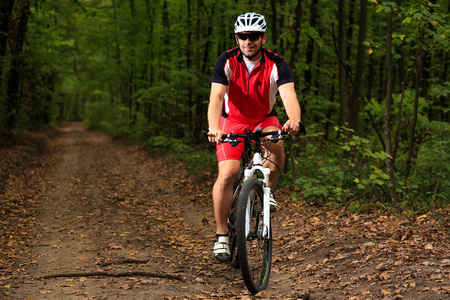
x=244 y=85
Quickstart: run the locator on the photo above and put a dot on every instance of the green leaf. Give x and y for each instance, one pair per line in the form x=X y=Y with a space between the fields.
x=407 y=20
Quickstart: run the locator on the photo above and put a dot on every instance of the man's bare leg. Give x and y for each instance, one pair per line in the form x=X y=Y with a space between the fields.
x=223 y=193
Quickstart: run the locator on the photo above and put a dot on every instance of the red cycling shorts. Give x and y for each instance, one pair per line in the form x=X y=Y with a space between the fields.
x=226 y=151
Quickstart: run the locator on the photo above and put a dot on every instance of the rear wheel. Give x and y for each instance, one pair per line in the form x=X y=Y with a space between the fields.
x=234 y=261
x=254 y=251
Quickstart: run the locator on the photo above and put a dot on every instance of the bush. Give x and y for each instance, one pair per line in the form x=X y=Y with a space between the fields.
x=336 y=173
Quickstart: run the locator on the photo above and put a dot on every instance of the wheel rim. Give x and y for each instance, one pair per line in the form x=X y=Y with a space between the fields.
x=254 y=251
x=256 y=245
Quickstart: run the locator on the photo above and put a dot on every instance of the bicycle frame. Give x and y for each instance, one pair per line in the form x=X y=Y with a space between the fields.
x=253 y=165
x=248 y=223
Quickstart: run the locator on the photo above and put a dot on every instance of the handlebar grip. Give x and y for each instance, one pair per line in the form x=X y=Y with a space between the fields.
x=302 y=128
x=205 y=134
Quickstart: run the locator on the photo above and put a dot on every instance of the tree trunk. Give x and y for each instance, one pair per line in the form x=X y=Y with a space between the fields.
x=387 y=111
x=165 y=48
x=354 y=101
x=349 y=28
x=427 y=59
x=200 y=112
x=310 y=47
x=132 y=69
x=189 y=61
x=343 y=94
x=273 y=25
x=18 y=32
x=416 y=111
x=296 y=30
x=5 y=17
x=118 y=58
x=295 y=46
x=150 y=43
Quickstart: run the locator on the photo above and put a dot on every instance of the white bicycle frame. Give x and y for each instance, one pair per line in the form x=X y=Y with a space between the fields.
x=257 y=165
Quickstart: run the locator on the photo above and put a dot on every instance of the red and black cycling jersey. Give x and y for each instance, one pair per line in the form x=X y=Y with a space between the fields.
x=250 y=98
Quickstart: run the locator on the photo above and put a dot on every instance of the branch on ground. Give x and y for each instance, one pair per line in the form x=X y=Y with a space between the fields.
x=124 y=261
x=108 y=274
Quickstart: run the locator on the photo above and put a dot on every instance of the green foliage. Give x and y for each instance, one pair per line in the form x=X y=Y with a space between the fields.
x=179 y=150
x=428 y=184
x=340 y=172
x=353 y=168
x=109 y=123
x=141 y=70
x=161 y=144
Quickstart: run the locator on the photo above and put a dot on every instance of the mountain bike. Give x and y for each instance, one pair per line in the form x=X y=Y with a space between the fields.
x=249 y=219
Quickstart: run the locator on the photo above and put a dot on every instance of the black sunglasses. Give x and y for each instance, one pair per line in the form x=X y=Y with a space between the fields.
x=252 y=36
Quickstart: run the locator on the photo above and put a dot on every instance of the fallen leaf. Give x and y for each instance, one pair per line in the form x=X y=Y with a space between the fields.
x=384 y=276
x=45 y=292
x=398 y=263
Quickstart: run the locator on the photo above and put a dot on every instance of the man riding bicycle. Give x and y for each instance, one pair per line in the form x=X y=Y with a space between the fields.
x=244 y=85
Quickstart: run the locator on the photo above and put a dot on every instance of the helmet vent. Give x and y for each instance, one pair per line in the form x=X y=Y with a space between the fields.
x=250 y=22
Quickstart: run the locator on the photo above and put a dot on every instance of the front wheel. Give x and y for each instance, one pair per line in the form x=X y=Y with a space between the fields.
x=254 y=250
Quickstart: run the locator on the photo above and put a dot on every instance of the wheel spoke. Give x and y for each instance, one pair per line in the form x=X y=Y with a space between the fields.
x=254 y=251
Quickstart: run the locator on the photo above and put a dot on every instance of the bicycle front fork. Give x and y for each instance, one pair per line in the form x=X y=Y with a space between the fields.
x=266 y=212
x=258 y=166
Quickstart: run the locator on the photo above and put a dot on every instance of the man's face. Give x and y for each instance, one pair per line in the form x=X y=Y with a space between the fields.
x=250 y=43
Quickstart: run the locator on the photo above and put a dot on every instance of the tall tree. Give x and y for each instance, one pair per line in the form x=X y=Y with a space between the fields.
x=354 y=101
x=343 y=91
x=415 y=112
x=273 y=25
x=388 y=108
x=310 y=47
x=18 y=32
x=296 y=32
x=6 y=7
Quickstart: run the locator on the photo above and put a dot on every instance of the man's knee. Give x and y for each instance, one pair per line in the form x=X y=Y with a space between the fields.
x=228 y=171
x=276 y=149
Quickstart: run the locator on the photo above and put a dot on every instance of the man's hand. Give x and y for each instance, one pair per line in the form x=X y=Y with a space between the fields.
x=291 y=127
x=214 y=136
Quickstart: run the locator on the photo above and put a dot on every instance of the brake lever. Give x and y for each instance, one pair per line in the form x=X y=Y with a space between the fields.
x=233 y=142
x=274 y=139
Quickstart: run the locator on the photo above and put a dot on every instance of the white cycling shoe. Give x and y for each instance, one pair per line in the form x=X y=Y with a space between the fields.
x=222 y=248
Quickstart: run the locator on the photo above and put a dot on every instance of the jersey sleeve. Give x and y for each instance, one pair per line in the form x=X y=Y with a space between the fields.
x=284 y=72
x=219 y=75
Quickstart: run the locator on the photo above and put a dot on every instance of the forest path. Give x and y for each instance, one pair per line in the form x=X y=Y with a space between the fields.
x=109 y=208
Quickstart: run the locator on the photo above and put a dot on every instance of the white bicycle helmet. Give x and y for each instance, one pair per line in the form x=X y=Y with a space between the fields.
x=250 y=22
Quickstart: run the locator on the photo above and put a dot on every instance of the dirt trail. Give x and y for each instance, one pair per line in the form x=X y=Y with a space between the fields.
x=109 y=209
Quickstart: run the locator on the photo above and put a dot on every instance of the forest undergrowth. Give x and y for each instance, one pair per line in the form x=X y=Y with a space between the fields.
x=75 y=202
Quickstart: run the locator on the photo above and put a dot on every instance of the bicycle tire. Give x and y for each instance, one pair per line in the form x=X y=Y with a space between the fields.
x=254 y=252
x=234 y=261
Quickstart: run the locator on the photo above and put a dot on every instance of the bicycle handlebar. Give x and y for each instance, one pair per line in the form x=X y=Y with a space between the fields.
x=252 y=136
x=255 y=136
x=276 y=135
